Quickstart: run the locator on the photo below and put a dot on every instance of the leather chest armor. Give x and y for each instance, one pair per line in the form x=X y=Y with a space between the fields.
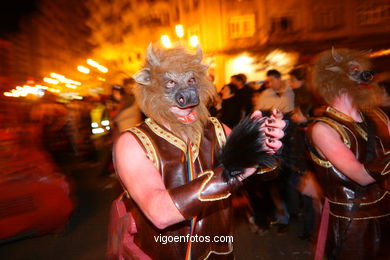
x=169 y=155
x=359 y=214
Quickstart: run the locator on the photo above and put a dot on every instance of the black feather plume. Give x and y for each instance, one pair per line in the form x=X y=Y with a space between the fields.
x=244 y=148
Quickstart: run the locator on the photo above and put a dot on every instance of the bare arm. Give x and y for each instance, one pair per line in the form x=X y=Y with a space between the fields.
x=328 y=142
x=144 y=183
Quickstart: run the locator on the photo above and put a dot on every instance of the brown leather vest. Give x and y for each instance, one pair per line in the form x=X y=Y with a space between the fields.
x=168 y=153
x=352 y=205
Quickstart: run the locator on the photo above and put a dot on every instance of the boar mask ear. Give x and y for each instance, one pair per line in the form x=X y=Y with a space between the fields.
x=142 y=77
x=334 y=68
x=152 y=58
x=337 y=57
x=199 y=54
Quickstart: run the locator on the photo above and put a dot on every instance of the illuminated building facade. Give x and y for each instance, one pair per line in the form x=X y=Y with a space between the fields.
x=248 y=36
x=244 y=29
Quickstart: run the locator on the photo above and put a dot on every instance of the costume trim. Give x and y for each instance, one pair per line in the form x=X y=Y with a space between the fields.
x=339 y=114
x=360 y=131
x=343 y=116
x=148 y=146
x=320 y=162
x=265 y=170
x=386 y=170
x=336 y=126
x=381 y=115
x=219 y=253
x=340 y=130
x=364 y=218
x=362 y=203
x=210 y=175
x=219 y=131
x=172 y=139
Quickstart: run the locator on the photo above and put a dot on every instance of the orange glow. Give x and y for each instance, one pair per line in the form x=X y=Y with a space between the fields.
x=380 y=53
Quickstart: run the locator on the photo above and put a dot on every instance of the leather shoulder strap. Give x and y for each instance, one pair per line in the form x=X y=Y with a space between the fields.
x=339 y=129
x=219 y=131
x=147 y=144
x=336 y=126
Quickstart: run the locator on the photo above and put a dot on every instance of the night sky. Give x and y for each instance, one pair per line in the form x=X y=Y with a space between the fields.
x=11 y=11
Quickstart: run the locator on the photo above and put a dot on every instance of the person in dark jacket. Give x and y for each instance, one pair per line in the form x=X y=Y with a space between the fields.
x=230 y=114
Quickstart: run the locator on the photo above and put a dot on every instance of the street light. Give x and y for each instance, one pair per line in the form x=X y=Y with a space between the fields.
x=96 y=65
x=92 y=63
x=70 y=85
x=179 y=30
x=166 y=42
x=102 y=69
x=194 y=41
x=51 y=81
x=83 y=69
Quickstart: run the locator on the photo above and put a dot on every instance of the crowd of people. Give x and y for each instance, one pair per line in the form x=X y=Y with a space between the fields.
x=275 y=201
x=297 y=191
x=335 y=146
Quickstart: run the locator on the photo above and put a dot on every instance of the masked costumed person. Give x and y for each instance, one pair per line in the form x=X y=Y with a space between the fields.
x=349 y=143
x=180 y=166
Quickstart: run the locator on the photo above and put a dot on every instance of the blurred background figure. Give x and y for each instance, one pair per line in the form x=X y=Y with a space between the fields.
x=101 y=132
x=277 y=95
x=303 y=100
x=385 y=97
x=35 y=195
x=230 y=113
x=127 y=113
x=243 y=94
x=52 y=117
x=299 y=172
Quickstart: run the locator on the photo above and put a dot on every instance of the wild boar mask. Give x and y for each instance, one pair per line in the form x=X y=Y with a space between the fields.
x=344 y=71
x=174 y=89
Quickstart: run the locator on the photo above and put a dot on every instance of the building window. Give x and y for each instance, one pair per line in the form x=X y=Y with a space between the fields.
x=372 y=15
x=155 y=19
x=327 y=19
x=282 y=24
x=242 y=26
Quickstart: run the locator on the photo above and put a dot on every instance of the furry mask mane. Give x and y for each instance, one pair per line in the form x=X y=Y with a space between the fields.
x=344 y=71
x=172 y=83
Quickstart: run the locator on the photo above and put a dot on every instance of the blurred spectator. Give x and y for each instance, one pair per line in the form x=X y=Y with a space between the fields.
x=277 y=95
x=230 y=115
x=51 y=117
x=303 y=101
x=101 y=133
x=243 y=95
x=215 y=106
x=385 y=102
x=295 y=145
x=256 y=96
x=128 y=113
x=35 y=195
